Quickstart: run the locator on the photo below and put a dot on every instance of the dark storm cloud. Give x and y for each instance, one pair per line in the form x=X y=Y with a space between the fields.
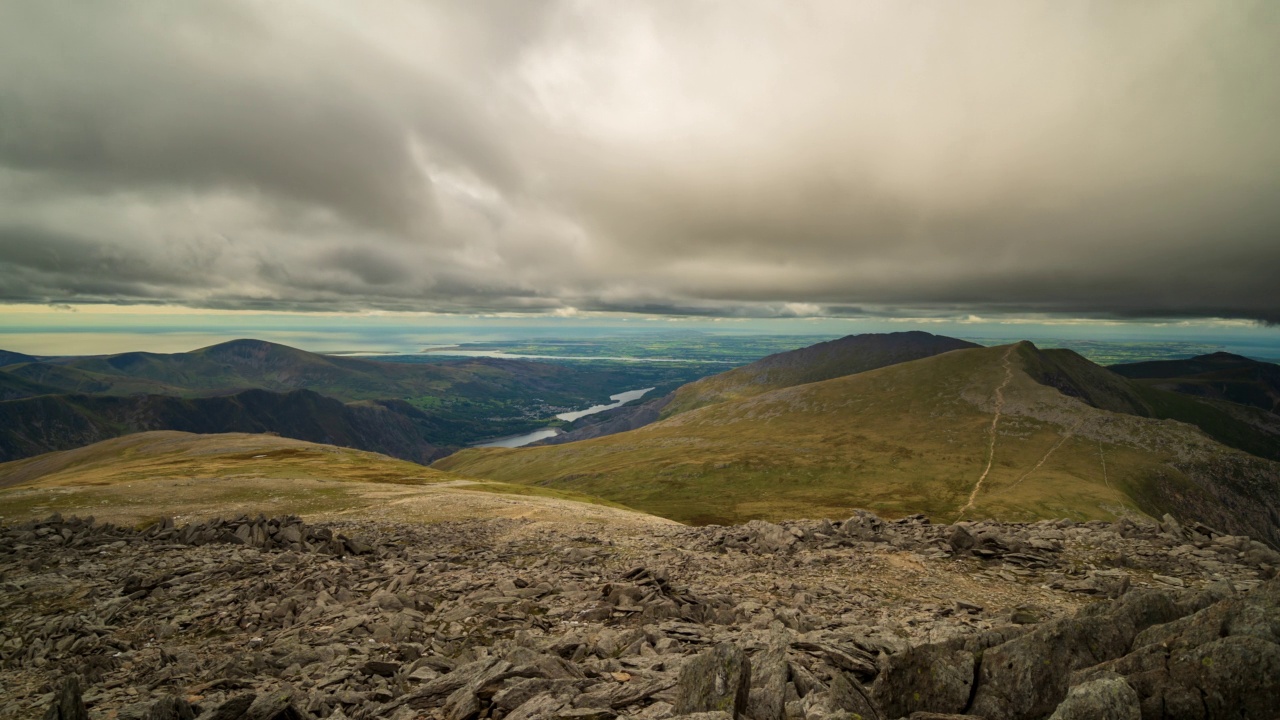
x=754 y=158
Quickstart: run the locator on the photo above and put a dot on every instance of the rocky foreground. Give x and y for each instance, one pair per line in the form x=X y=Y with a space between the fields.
x=273 y=619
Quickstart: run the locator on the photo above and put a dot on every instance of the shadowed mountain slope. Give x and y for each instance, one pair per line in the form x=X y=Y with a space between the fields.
x=13 y=387
x=1219 y=376
x=47 y=423
x=8 y=357
x=973 y=434
x=824 y=361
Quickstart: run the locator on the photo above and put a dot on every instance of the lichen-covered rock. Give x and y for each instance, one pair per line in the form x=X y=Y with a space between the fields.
x=933 y=678
x=1027 y=677
x=769 y=675
x=1107 y=697
x=716 y=680
x=1220 y=662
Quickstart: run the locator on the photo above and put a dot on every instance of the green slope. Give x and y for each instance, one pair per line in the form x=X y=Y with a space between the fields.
x=914 y=437
x=154 y=474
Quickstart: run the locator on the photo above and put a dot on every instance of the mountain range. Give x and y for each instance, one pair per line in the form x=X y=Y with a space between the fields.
x=413 y=411
x=898 y=423
x=1012 y=432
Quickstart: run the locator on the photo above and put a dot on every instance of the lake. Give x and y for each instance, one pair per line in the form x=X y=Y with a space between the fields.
x=515 y=441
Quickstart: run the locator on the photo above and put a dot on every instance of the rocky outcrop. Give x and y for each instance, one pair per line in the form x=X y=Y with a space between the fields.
x=275 y=618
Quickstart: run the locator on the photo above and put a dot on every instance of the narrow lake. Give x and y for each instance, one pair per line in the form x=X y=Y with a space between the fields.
x=521 y=440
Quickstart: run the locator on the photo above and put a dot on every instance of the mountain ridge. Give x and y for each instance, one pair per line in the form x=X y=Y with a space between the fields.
x=913 y=437
x=823 y=361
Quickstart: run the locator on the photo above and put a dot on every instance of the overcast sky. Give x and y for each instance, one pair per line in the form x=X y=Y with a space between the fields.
x=741 y=158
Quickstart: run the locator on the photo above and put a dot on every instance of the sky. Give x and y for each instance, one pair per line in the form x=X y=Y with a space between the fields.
x=748 y=160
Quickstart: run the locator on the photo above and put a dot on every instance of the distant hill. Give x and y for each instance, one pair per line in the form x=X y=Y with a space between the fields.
x=1010 y=432
x=247 y=364
x=823 y=361
x=8 y=357
x=1219 y=376
x=456 y=402
x=47 y=423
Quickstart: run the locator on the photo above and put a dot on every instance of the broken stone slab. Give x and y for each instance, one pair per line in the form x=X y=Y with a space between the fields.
x=234 y=709
x=1107 y=697
x=68 y=704
x=171 y=708
x=934 y=678
x=1028 y=676
x=718 y=679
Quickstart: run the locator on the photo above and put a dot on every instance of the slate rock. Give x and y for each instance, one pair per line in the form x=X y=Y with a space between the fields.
x=1028 y=676
x=1107 y=697
x=769 y=674
x=275 y=706
x=718 y=679
x=67 y=701
x=233 y=709
x=932 y=678
x=171 y=708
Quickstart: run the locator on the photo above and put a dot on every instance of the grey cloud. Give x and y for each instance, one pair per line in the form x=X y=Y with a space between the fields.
x=759 y=158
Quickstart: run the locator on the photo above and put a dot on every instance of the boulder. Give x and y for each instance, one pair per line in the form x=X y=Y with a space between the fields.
x=1028 y=676
x=933 y=678
x=1107 y=697
x=715 y=680
x=769 y=675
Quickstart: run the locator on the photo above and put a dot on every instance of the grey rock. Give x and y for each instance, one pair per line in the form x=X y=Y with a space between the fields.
x=171 y=708
x=1027 y=677
x=67 y=701
x=769 y=674
x=933 y=678
x=718 y=679
x=233 y=709
x=1107 y=697
x=278 y=705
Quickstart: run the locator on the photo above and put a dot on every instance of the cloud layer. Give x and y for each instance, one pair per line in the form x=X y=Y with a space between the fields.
x=740 y=158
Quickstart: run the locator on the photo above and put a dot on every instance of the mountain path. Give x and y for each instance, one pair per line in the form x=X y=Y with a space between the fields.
x=1103 y=457
x=1065 y=437
x=995 y=420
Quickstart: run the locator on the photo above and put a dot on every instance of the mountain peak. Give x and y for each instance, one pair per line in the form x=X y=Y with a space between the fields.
x=826 y=360
x=1222 y=357
x=241 y=345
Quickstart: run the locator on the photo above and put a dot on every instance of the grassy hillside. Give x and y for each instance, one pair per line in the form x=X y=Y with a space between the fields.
x=823 y=361
x=148 y=475
x=12 y=387
x=912 y=437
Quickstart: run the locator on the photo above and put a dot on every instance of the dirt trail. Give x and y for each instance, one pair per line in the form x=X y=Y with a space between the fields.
x=1065 y=437
x=1103 y=455
x=995 y=420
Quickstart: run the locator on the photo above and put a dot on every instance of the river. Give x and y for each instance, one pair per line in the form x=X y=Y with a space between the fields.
x=515 y=441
